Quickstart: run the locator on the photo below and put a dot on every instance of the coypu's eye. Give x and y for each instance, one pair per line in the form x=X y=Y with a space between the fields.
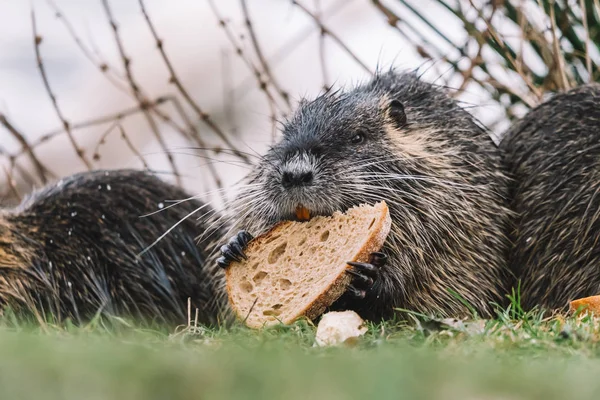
x=358 y=138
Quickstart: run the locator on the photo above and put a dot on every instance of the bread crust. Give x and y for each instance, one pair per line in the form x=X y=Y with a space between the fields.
x=338 y=287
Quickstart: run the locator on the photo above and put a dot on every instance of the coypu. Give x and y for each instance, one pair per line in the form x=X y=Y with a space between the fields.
x=553 y=155
x=405 y=141
x=72 y=250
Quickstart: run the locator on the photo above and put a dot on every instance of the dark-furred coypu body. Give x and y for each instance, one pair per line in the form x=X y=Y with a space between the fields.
x=553 y=155
x=75 y=249
x=405 y=141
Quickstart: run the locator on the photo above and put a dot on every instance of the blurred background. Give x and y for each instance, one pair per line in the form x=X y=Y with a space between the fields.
x=196 y=89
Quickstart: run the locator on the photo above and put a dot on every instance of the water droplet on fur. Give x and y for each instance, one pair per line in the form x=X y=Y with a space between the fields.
x=70 y=284
x=50 y=264
x=183 y=254
x=89 y=258
x=99 y=187
x=107 y=187
x=103 y=217
x=60 y=183
x=74 y=214
x=528 y=239
x=70 y=232
x=161 y=206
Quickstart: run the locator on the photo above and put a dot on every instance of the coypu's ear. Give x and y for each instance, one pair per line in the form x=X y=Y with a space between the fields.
x=396 y=113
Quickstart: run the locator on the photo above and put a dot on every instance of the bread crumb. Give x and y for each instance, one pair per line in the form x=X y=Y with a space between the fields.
x=586 y=305
x=340 y=327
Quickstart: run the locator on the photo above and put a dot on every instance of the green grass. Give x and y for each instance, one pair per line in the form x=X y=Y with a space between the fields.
x=524 y=357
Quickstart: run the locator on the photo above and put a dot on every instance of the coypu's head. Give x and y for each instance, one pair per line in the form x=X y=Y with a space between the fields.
x=384 y=140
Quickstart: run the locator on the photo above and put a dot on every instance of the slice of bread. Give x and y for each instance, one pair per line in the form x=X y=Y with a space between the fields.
x=299 y=268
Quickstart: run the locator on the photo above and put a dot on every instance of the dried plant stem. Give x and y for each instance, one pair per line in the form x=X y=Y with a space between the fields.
x=25 y=147
x=261 y=58
x=101 y=120
x=588 y=60
x=132 y=147
x=37 y=40
x=558 y=58
x=326 y=85
x=102 y=66
x=264 y=86
x=174 y=79
x=333 y=36
x=12 y=184
x=135 y=88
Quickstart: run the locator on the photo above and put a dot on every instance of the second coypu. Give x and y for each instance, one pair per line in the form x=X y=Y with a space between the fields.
x=76 y=248
x=553 y=155
x=405 y=141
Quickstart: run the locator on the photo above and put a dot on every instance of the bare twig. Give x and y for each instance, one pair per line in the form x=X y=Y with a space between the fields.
x=333 y=36
x=102 y=66
x=101 y=120
x=41 y=170
x=559 y=60
x=135 y=88
x=102 y=140
x=132 y=147
x=588 y=60
x=262 y=84
x=261 y=58
x=174 y=79
x=12 y=184
x=37 y=40
x=318 y=14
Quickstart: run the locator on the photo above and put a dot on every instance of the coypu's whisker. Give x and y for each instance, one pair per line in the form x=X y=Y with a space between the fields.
x=171 y=228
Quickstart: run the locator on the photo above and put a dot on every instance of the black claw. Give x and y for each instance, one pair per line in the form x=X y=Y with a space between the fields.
x=361 y=280
x=237 y=249
x=377 y=259
x=229 y=253
x=222 y=262
x=365 y=268
x=356 y=293
x=364 y=275
x=234 y=249
x=244 y=238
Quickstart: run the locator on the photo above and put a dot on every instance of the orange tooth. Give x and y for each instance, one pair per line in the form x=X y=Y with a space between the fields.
x=302 y=213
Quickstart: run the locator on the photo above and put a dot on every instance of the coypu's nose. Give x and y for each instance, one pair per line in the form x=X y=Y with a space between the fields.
x=295 y=179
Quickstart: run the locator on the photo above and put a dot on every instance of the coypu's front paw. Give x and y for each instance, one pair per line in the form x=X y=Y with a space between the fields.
x=364 y=275
x=234 y=249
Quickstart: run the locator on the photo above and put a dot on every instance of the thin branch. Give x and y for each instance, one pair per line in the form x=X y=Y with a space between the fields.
x=102 y=140
x=333 y=36
x=132 y=147
x=261 y=57
x=37 y=40
x=588 y=60
x=135 y=88
x=12 y=184
x=101 y=120
x=264 y=86
x=102 y=66
x=558 y=57
x=322 y=59
x=41 y=170
x=177 y=82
